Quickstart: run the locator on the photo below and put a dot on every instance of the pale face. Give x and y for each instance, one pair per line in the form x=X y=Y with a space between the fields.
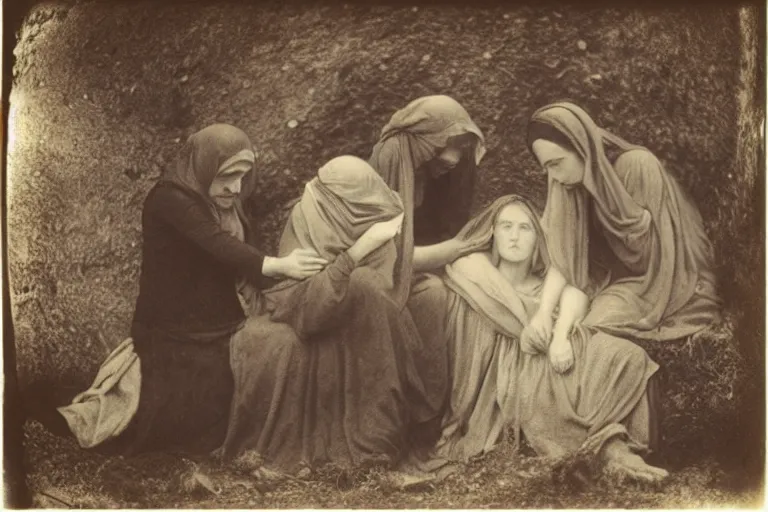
x=227 y=184
x=561 y=164
x=514 y=234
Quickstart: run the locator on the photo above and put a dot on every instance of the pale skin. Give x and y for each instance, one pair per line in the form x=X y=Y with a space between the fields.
x=374 y=237
x=567 y=167
x=515 y=239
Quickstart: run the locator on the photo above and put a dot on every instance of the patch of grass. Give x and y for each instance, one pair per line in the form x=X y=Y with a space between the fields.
x=503 y=478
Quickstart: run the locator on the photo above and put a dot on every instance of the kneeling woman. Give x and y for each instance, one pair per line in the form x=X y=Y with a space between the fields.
x=601 y=405
x=169 y=386
x=326 y=373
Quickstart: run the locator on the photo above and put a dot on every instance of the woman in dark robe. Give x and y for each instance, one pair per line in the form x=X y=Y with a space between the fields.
x=428 y=153
x=622 y=231
x=600 y=407
x=170 y=385
x=326 y=373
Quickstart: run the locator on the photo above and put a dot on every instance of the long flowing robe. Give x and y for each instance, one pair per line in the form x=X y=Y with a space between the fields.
x=326 y=374
x=435 y=210
x=496 y=384
x=629 y=236
x=169 y=385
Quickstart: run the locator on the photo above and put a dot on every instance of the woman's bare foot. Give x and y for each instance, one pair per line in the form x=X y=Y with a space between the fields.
x=620 y=461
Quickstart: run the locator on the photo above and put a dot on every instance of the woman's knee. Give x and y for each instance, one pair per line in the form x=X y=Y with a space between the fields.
x=262 y=336
x=619 y=350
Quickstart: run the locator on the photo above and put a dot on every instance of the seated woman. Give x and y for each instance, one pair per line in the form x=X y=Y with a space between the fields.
x=169 y=386
x=600 y=406
x=326 y=373
x=428 y=153
x=621 y=230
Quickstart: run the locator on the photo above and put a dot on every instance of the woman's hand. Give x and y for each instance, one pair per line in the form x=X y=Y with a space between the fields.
x=383 y=232
x=376 y=236
x=300 y=264
x=561 y=353
x=536 y=335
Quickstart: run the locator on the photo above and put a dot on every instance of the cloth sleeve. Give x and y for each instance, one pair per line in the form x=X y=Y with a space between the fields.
x=314 y=304
x=192 y=219
x=641 y=175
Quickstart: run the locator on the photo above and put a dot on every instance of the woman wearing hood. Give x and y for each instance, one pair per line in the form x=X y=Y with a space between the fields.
x=169 y=386
x=428 y=153
x=327 y=374
x=599 y=408
x=621 y=230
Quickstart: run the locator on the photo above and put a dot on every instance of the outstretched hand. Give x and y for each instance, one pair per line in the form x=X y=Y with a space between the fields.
x=300 y=264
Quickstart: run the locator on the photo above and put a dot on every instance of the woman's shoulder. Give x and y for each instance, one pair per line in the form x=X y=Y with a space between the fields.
x=385 y=155
x=638 y=164
x=474 y=258
x=165 y=195
x=636 y=157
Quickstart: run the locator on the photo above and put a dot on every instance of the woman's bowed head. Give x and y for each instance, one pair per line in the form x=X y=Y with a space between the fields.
x=360 y=198
x=226 y=186
x=620 y=229
x=428 y=153
x=222 y=162
x=555 y=153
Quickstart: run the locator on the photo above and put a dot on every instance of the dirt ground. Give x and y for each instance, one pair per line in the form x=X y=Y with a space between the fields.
x=105 y=92
x=502 y=479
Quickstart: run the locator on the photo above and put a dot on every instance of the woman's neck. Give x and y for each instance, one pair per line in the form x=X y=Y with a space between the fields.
x=516 y=273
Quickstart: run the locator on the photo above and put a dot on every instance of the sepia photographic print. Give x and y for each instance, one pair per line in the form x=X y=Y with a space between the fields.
x=385 y=255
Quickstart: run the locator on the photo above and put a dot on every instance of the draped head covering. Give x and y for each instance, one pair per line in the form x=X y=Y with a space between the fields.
x=476 y=276
x=345 y=199
x=415 y=135
x=207 y=153
x=647 y=222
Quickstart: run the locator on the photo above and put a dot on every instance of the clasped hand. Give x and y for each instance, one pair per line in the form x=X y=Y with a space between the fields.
x=537 y=338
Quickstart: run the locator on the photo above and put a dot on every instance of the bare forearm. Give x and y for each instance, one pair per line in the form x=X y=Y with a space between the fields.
x=554 y=283
x=573 y=307
x=432 y=257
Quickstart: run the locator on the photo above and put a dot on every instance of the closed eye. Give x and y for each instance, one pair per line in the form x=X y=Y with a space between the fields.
x=553 y=162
